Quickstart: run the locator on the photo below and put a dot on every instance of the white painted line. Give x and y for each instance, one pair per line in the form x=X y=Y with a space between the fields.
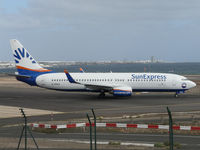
x=78 y=141
x=104 y=142
x=138 y=144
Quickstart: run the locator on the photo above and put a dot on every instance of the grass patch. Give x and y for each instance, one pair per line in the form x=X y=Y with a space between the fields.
x=166 y=145
x=159 y=145
x=51 y=131
x=114 y=143
x=44 y=130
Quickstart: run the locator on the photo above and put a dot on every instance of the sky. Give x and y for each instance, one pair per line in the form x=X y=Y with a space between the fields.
x=101 y=30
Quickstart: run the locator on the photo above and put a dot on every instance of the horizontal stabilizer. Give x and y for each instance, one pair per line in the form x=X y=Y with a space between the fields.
x=21 y=76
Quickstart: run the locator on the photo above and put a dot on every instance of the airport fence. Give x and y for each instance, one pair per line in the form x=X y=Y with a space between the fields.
x=85 y=126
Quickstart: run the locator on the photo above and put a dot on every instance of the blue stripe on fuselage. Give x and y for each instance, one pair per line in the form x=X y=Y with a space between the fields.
x=159 y=90
x=134 y=90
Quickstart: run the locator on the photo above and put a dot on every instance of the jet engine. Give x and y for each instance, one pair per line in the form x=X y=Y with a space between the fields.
x=122 y=91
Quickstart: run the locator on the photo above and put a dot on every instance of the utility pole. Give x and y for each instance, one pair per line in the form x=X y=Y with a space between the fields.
x=171 y=140
x=24 y=130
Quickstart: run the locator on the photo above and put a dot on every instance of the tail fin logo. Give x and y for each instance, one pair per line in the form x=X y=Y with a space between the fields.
x=20 y=53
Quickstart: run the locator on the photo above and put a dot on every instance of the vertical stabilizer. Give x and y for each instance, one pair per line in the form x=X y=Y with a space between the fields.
x=24 y=62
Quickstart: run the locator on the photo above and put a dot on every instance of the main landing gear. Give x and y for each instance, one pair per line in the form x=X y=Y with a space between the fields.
x=102 y=94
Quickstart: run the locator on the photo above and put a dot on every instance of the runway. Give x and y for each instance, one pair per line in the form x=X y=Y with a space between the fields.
x=75 y=105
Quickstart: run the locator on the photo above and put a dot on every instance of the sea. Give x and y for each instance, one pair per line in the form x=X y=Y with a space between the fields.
x=192 y=68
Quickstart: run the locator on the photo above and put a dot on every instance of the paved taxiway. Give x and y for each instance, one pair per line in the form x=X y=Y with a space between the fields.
x=75 y=105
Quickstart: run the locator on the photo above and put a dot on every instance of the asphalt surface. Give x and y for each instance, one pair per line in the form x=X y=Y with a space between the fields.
x=76 y=105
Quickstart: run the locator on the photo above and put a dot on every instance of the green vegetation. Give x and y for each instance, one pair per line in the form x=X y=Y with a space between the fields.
x=159 y=145
x=114 y=143
x=166 y=145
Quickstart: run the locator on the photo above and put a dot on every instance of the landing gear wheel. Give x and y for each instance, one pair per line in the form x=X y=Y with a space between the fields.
x=102 y=94
x=176 y=95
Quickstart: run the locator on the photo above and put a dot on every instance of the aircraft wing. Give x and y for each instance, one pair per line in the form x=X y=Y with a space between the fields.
x=99 y=87
x=106 y=87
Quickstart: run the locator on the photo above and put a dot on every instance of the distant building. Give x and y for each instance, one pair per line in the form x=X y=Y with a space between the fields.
x=152 y=59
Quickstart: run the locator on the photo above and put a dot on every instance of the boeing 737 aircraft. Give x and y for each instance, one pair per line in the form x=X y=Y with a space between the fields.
x=118 y=84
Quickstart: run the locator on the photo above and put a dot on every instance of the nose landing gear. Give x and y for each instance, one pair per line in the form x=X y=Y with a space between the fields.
x=177 y=94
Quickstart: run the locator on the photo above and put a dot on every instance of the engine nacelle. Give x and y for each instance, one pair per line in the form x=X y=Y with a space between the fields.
x=122 y=91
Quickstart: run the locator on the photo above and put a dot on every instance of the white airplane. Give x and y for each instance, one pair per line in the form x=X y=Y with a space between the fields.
x=118 y=84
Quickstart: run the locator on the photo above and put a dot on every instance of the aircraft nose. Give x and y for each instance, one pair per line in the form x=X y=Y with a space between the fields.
x=192 y=84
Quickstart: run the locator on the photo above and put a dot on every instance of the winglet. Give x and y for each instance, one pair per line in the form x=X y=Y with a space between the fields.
x=65 y=70
x=71 y=80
